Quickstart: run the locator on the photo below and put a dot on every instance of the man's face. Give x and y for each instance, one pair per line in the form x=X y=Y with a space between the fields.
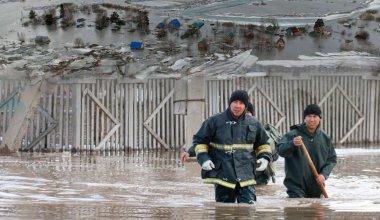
x=237 y=108
x=312 y=122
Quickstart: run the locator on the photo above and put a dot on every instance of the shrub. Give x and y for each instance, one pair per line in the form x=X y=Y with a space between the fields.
x=32 y=15
x=367 y=16
x=363 y=35
x=114 y=17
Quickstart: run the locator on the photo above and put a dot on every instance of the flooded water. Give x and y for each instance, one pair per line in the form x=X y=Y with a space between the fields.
x=289 y=13
x=156 y=185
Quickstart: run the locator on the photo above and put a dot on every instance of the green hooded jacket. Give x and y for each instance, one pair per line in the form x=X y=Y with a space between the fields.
x=299 y=178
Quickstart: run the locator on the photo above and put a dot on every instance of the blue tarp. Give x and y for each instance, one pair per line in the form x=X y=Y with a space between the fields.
x=174 y=24
x=136 y=45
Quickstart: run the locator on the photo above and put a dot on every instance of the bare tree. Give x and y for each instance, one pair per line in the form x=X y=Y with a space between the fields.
x=68 y=18
x=78 y=43
x=101 y=19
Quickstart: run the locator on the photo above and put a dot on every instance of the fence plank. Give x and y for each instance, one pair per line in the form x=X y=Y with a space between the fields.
x=67 y=117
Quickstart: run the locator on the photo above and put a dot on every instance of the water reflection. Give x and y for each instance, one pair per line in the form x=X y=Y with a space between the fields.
x=155 y=185
x=314 y=211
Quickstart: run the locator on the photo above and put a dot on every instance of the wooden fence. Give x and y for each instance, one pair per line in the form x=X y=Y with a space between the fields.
x=103 y=114
x=350 y=103
x=116 y=115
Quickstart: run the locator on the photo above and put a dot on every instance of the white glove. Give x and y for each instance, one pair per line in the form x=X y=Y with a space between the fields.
x=263 y=163
x=208 y=165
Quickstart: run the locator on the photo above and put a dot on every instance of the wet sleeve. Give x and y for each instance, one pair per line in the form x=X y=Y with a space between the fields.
x=285 y=145
x=201 y=141
x=330 y=163
x=261 y=145
x=191 y=151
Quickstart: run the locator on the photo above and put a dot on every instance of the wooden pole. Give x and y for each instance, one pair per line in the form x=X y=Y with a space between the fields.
x=311 y=164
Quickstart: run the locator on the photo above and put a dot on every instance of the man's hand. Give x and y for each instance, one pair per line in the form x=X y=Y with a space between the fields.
x=208 y=165
x=297 y=141
x=321 y=179
x=184 y=156
x=262 y=164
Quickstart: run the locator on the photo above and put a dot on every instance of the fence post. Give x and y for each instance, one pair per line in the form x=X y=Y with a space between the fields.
x=195 y=107
x=371 y=111
x=77 y=115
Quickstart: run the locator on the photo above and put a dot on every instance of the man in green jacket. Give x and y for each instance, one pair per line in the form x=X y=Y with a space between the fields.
x=228 y=145
x=299 y=179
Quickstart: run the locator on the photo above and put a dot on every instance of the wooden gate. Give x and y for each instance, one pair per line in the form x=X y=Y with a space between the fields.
x=128 y=114
x=350 y=103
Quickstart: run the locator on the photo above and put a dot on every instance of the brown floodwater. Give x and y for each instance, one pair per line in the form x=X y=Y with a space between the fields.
x=156 y=185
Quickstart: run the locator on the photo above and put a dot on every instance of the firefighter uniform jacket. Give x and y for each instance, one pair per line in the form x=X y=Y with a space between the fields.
x=299 y=177
x=232 y=145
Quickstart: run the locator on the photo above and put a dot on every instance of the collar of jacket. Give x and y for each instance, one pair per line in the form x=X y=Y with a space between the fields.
x=230 y=117
x=304 y=130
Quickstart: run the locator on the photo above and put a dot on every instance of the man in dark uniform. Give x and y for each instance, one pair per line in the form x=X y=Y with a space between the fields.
x=191 y=151
x=299 y=179
x=262 y=176
x=226 y=146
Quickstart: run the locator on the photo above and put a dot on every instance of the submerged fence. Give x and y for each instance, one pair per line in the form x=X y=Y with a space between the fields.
x=116 y=115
